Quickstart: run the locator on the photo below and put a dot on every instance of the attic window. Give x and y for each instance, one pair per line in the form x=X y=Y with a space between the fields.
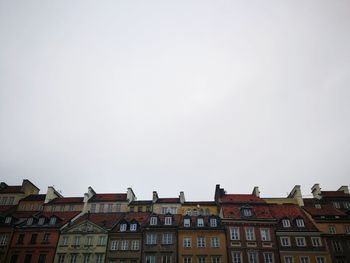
x=187 y=222
x=153 y=220
x=200 y=222
x=285 y=222
x=133 y=227
x=8 y=220
x=29 y=221
x=213 y=222
x=168 y=220
x=41 y=221
x=247 y=212
x=53 y=220
x=122 y=227
x=318 y=206
x=300 y=222
x=188 y=212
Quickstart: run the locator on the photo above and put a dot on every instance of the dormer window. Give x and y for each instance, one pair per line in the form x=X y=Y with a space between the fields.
x=29 y=221
x=213 y=222
x=153 y=220
x=133 y=227
x=200 y=222
x=122 y=227
x=285 y=222
x=300 y=222
x=187 y=222
x=318 y=206
x=188 y=212
x=201 y=212
x=247 y=212
x=8 y=220
x=195 y=212
x=41 y=221
x=168 y=220
x=53 y=220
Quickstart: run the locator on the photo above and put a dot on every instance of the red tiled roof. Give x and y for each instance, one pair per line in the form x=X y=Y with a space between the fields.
x=200 y=203
x=241 y=198
x=11 y=189
x=40 y=197
x=141 y=217
x=234 y=211
x=168 y=200
x=334 y=194
x=106 y=220
x=5 y=209
x=25 y=214
x=325 y=210
x=108 y=197
x=64 y=216
x=141 y=202
x=66 y=200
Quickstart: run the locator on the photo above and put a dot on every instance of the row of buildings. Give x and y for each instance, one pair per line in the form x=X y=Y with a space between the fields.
x=118 y=228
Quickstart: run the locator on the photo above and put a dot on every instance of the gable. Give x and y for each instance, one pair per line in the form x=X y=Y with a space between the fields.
x=84 y=227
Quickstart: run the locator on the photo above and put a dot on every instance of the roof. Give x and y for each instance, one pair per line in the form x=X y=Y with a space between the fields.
x=334 y=194
x=177 y=218
x=325 y=210
x=105 y=220
x=66 y=200
x=108 y=197
x=65 y=217
x=192 y=203
x=40 y=197
x=141 y=202
x=7 y=209
x=291 y=212
x=168 y=200
x=141 y=217
x=241 y=198
x=12 y=189
x=234 y=211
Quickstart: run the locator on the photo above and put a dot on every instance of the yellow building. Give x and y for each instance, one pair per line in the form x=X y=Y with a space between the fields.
x=196 y=208
x=140 y=206
x=12 y=194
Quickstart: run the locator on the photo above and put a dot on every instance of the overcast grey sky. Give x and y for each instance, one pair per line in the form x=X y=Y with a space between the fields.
x=175 y=95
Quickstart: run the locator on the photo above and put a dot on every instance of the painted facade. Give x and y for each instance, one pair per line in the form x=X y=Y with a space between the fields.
x=167 y=205
x=12 y=194
x=196 y=208
x=140 y=206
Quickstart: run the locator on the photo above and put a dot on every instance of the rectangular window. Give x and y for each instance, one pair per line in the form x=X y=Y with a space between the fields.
x=102 y=208
x=101 y=241
x=347 y=229
x=93 y=208
x=202 y=259
x=300 y=241
x=304 y=259
x=164 y=210
x=122 y=227
x=73 y=258
x=151 y=239
x=153 y=220
x=187 y=259
x=253 y=257
x=33 y=238
x=234 y=233
x=99 y=258
x=118 y=207
x=124 y=245
x=20 y=239
x=187 y=242
x=200 y=222
x=215 y=242
x=114 y=245
x=61 y=258
x=285 y=241
x=3 y=240
x=150 y=259
x=88 y=241
x=332 y=230
x=320 y=260
x=64 y=241
x=236 y=257
x=285 y=222
x=86 y=258
x=268 y=258
x=200 y=242
x=213 y=222
x=168 y=220
x=215 y=259
x=8 y=220
x=77 y=241
x=265 y=234
x=174 y=210
x=166 y=259
x=336 y=246
x=109 y=208
x=187 y=222
x=249 y=232
x=288 y=259
x=316 y=241
x=167 y=238
x=135 y=245
x=300 y=222
x=336 y=204
x=133 y=227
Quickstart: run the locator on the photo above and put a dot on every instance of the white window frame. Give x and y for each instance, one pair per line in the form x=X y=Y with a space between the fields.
x=200 y=222
x=114 y=245
x=320 y=259
x=316 y=241
x=187 y=222
x=151 y=238
x=304 y=259
x=123 y=227
x=167 y=238
x=250 y=233
x=150 y=259
x=300 y=222
x=286 y=222
x=124 y=245
x=265 y=234
x=187 y=242
x=213 y=222
x=268 y=257
x=201 y=242
x=168 y=220
x=133 y=227
x=153 y=221
x=215 y=242
x=286 y=259
x=285 y=244
x=135 y=244
x=253 y=257
x=300 y=241
x=235 y=235
x=236 y=257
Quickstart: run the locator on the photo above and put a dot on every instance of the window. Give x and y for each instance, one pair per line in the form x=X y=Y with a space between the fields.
x=61 y=258
x=132 y=209
x=101 y=240
x=20 y=239
x=236 y=257
x=265 y=234
x=332 y=230
x=71 y=208
x=86 y=258
x=8 y=220
x=195 y=212
x=118 y=207
x=122 y=227
x=304 y=259
x=200 y=222
x=168 y=220
x=187 y=260
x=188 y=212
x=346 y=205
x=247 y=212
x=200 y=242
x=336 y=204
x=207 y=211
x=151 y=239
x=215 y=259
x=62 y=208
x=133 y=227
x=150 y=259
x=316 y=241
x=65 y=241
x=288 y=259
x=300 y=241
x=285 y=241
x=14 y=259
x=88 y=241
x=28 y=258
x=29 y=221
x=46 y=238
x=153 y=220
x=336 y=246
x=202 y=259
x=41 y=221
x=164 y=210
x=93 y=208
x=318 y=206
x=11 y=200
x=102 y=208
x=42 y=258
x=135 y=245
x=320 y=260
x=167 y=238
x=249 y=232
x=285 y=222
x=174 y=210
x=253 y=257
x=124 y=245
x=73 y=258
x=234 y=233
x=166 y=259
x=215 y=242
x=300 y=222
x=187 y=242
x=99 y=258
x=3 y=240
x=76 y=240
x=347 y=229
x=114 y=245
x=139 y=209
x=268 y=258
x=187 y=222
x=213 y=222
x=109 y=208
x=52 y=220
x=201 y=212
x=33 y=238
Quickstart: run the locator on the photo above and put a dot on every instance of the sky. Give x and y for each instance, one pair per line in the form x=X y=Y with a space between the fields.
x=173 y=96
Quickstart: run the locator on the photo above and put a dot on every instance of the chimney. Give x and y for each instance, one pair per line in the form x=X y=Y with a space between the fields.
x=219 y=192
x=90 y=193
x=296 y=194
x=155 y=196
x=256 y=191
x=182 y=197
x=51 y=194
x=316 y=191
x=3 y=185
x=130 y=195
x=344 y=188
